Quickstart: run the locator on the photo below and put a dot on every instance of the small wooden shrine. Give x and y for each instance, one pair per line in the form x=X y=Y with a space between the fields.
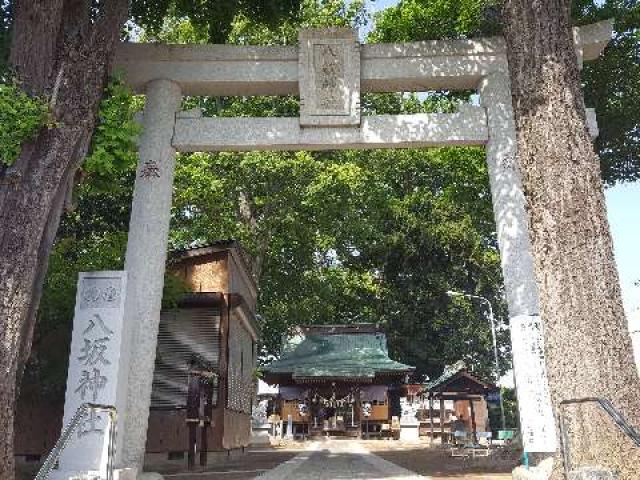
x=203 y=382
x=461 y=403
x=335 y=380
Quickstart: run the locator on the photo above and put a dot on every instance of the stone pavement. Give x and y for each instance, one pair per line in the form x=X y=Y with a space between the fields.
x=338 y=460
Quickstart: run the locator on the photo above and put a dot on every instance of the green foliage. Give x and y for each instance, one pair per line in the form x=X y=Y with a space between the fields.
x=611 y=83
x=511 y=415
x=21 y=116
x=247 y=28
x=357 y=237
x=113 y=145
x=46 y=372
x=174 y=289
x=91 y=237
x=313 y=13
x=612 y=87
x=415 y=20
x=212 y=17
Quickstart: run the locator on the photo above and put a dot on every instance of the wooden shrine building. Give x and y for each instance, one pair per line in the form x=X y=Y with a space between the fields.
x=336 y=380
x=203 y=382
x=457 y=402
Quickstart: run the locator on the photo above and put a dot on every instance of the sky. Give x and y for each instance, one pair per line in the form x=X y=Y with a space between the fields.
x=623 y=210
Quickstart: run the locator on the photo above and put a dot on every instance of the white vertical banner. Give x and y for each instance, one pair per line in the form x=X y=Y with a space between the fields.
x=537 y=422
x=95 y=371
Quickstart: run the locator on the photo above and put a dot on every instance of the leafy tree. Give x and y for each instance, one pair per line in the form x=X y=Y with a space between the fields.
x=611 y=84
x=60 y=52
x=320 y=225
x=413 y=20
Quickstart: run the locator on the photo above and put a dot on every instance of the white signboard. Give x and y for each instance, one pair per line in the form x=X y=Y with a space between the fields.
x=537 y=422
x=95 y=369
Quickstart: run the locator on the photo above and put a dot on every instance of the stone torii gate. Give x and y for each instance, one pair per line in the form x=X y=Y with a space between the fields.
x=328 y=70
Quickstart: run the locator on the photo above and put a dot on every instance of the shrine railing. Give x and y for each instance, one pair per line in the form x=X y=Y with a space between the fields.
x=609 y=409
x=69 y=429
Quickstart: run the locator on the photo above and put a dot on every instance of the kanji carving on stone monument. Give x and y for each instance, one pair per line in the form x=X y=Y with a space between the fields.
x=91 y=383
x=150 y=169
x=99 y=323
x=93 y=352
x=90 y=424
x=329 y=66
x=96 y=370
x=537 y=424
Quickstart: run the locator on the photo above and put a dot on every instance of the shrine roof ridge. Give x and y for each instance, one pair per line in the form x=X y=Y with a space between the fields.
x=330 y=353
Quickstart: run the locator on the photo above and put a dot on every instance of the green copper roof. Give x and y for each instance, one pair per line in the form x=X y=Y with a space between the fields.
x=449 y=372
x=451 y=376
x=336 y=355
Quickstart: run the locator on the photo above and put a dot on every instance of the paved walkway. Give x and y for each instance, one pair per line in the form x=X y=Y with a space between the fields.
x=338 y=460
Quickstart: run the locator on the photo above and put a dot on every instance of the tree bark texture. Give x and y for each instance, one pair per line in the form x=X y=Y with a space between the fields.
x=61 y=52
x=587 y=343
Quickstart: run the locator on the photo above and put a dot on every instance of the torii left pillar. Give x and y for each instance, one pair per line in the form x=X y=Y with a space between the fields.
x=145 y=264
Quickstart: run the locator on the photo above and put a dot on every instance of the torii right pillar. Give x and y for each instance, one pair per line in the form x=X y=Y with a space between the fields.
x=537 y=423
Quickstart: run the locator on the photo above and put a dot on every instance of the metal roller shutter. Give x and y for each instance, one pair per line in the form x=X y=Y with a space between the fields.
x=183 y=334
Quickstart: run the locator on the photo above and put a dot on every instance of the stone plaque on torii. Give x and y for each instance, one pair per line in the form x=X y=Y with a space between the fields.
x=329 y=70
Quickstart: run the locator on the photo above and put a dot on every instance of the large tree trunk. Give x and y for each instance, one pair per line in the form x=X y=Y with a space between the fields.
x=246 y=213
x=587 y=343
x=61 y=53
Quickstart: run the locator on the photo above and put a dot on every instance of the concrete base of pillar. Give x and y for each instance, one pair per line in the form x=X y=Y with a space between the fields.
x=260 y=435
x=540 y=472
x=125 y=474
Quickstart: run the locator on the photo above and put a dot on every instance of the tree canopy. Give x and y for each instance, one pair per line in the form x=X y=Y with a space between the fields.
x=611 y=84
x=338 y=237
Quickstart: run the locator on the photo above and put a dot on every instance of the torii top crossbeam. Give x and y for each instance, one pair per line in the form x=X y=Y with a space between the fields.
x=227 y=70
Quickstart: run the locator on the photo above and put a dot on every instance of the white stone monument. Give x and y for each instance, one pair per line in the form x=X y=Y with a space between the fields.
x=409 y=424
x=97 y=372
x=289 y=434
x=260 y=425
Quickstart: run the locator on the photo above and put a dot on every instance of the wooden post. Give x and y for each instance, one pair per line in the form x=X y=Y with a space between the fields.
x=431 y=415
x=223 y=371
x=473 y=421
x=206 y=426
x=359 y=410
x=442 y=420
x=193 y=417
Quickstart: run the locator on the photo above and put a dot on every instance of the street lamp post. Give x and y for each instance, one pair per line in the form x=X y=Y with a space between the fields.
x=492 y=319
